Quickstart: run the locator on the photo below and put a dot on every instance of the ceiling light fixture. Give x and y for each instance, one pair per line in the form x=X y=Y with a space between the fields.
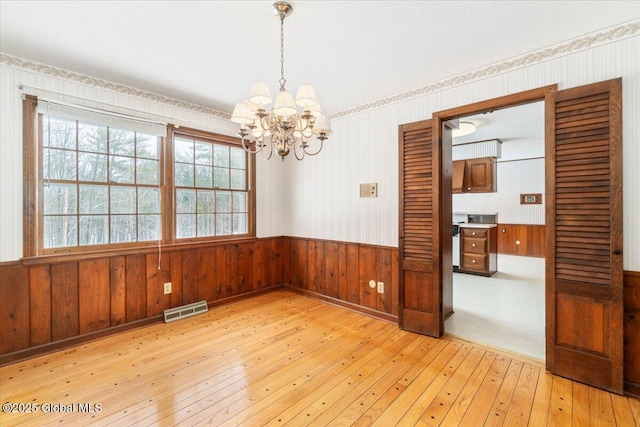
x=283 y=127
x=464 y=128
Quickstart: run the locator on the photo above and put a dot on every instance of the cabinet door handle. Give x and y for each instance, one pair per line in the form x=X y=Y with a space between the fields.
x=473 y=261
x=473 y=245
x=473 y=234
x=617 y=252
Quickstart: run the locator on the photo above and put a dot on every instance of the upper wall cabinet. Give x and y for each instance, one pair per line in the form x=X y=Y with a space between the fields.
x=474 y=175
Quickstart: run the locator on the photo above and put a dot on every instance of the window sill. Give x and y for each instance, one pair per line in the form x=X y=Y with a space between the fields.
x=78 y=256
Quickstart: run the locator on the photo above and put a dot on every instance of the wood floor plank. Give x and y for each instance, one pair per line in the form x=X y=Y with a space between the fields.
x=352 y=413
x=635 y=409
x=501 y=403
x=442 y=403
x=479 y=408
x=274 y=358
x=523 y=396
x=561 y=406
x=601 y=408
x=412 y=390
x=581 y=414
x=466 y=396
x=388 y=393
x=622 y=411
x=542 y=400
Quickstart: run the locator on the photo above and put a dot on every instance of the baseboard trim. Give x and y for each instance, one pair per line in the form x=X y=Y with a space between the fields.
x=343 y=304
x=632 y=389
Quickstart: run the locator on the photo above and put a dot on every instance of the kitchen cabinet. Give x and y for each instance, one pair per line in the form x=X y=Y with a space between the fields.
x=474 y=175
x=479 y=249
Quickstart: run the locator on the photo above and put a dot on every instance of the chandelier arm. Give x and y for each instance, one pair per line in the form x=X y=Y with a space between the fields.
x=313 y=154
x=249 y=150
x=295 y=152
x=270 y=151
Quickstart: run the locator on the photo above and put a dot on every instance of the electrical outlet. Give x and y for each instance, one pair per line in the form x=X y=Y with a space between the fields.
x=381 y=287
x=167 y=288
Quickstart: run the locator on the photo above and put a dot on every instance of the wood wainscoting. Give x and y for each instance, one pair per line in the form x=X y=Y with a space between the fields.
x=340 y=272
x=632 y=332
x=521 y=239
x=50 y=305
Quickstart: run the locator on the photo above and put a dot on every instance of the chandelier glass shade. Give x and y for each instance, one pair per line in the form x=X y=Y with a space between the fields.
x=290 y=123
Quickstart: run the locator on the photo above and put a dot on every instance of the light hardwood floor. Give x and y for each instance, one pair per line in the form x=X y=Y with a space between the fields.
x=285 y=359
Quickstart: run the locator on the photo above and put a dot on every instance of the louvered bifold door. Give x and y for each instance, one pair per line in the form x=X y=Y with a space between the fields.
x=584 y=234
x=420 y=293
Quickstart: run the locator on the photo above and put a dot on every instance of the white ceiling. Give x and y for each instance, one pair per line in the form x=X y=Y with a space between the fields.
x=353 y=52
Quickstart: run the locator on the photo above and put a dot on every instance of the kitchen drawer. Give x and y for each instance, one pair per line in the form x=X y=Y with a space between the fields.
x=474 y=232
x=474 y=262
x=475 y=246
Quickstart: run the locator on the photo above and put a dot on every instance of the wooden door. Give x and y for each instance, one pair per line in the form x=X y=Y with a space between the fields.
x=584 y=234
x=420 y=305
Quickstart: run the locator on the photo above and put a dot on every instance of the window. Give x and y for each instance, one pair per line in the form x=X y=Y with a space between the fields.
x=211 y=188
x=100 y=184
x=95 y=181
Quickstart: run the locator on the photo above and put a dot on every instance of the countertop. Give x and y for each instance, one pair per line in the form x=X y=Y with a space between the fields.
x=475 y=225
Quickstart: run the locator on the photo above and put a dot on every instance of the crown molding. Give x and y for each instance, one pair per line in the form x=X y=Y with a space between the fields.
x=627 y=30
x=71 y=76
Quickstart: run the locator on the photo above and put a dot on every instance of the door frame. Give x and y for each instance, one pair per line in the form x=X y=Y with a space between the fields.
x=441 y=117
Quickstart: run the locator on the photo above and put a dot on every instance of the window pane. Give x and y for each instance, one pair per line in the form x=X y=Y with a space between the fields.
x=206 y=225
x=123 y=228
x=223 y=224
x=92 y=167
x=59 y=164
x=184 y=175
x=148 y=228
x=148 y=201
x=59 y=133
x=237 y=158
x=94 y=199
x=60 y=199
x=147 y=171
x=60 y=231
x=94 y=230
x=92 y=138
x=239 y=202
x=186 y=225
x=206 y=201
x=221 y=155
x=121 y=142
x=221 y=178
x=223 y=201
x=183 y=150
x=204 y=176
x=146 y=146
x=123 y=200
x=237 y=179
x=121 y=169
x=186 y=201
x=239 y=223
x=203 y=153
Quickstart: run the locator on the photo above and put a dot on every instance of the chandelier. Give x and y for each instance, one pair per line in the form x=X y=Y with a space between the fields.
x=283 y=129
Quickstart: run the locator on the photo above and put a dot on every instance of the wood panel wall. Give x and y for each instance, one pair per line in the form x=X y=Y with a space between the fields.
x=632 y=332
x=44 y=304
x=340 y=272
x=531 y=238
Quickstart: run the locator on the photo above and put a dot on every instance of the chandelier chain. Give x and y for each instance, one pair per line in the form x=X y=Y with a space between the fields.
x=282 y=79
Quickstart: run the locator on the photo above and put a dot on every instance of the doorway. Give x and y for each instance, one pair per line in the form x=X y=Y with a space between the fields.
x=506 y=309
